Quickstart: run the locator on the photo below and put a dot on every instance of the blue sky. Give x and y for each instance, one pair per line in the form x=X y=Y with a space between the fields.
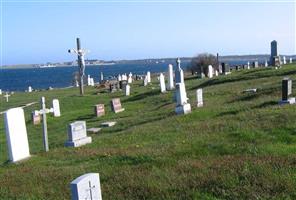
x=37 y=32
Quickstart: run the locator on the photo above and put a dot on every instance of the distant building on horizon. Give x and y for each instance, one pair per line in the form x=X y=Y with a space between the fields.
x=274 y=54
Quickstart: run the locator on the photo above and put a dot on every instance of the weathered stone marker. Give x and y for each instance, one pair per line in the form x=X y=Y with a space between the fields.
x=287 y=91
x=116 y=105
x=162 y=83
x=100 y=110
x=7 y=97
x=171 y=77
x=182 y=106
x=56 y=108
x=77 y=134
x=148 y=77
x=16 y=134
x=199 y=98
x=210 y=71
x=86 y=187
x=127 y=90
x=179 y=74
x=36 y=118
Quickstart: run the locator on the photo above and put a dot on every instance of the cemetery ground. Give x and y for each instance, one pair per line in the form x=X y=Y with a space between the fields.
x=238 y=146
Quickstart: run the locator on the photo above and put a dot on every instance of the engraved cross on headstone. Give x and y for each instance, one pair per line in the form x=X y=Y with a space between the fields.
x=43 y=112
x=6 y=96
x=90 y=191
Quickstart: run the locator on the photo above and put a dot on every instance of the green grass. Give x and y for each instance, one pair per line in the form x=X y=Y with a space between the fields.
x=238 y=146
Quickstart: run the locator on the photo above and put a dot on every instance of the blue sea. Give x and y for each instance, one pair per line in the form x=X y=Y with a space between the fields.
x=60 y=77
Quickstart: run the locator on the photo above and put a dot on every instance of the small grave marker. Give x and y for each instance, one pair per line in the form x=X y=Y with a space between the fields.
x=100 y=110
x=77 y=134
x=116 y=105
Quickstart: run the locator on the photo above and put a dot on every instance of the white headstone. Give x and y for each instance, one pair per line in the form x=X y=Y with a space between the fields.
x=56 y=108
x=148 y=77
x=127 y=89
x=162 y=83
x=210 y=71
x=199 y=99
x=291 y=61
x=171 y=78
x=77 y=83
x=88 y=80
x=102 y=77
x=248 y=67
x=119 y=78
x=284 y=60
x=30 y=89
x=86 y=187
x=16 y=134
x=266 y=63
x=216 y=73
x=0 y=92
x=130 y=78
x=145 y=81
x=182 y=106
x=77 y=134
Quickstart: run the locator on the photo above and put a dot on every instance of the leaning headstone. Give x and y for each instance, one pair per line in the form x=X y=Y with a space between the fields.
x=148 y=77
x=36 y=118
x=56 y=108
x=182 y=106
x=116 y=105
x=199 y=98
x=287 y=91
x=127 y=90
x=210 y=71
x=100 y=110
x=171 y=77
x=77 y=134
x=162 y=83
x=16 y=134
x=86 y=187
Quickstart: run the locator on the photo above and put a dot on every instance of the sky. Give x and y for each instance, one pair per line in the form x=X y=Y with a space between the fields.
x=42 y=31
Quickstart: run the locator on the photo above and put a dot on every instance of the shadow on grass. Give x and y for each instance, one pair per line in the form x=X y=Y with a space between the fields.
x=233 y=112
x=251 y=96
x=85 y=117
x=266 y=104
x=142 y=96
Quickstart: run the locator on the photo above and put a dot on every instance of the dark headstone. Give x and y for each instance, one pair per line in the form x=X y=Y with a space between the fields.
x=286 y=88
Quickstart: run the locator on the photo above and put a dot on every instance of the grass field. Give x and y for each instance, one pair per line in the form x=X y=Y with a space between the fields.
x=238 y=146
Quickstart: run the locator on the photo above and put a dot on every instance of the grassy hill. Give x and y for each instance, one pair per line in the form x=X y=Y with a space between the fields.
x=238 y=146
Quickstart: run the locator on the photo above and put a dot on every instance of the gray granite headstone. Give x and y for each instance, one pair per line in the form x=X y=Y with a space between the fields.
x=286 y=88
x=77 y=134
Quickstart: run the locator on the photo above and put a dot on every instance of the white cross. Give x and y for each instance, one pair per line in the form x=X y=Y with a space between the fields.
x=6 y=96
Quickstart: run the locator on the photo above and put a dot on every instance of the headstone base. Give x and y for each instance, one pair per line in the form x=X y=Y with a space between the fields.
x=78 y=143
x=108 y=124
x=226 y=73
x=199 y=105
x=183 y=109
x=121 y=110
x=291 y=100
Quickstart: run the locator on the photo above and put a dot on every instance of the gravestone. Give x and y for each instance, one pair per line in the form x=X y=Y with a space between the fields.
x=94 y=130
x=145 y=81
x=101 y=78
x=108 y=124
x=16 y=134
x=216 y=73
x=7 y=97
x=86 y=187
x=77 y=134
x=148 y=77
x=122 y=84
x=179 y=74
x=100 y=110
x=255 y=64
x=56 y=108
x=30 y=89
x=0 y=92
x=225 y=69
x=162 y=83
x=130 y=78
x=220 y=69
x=291 y=61
x=127 y=90
x=88 y=80
x=266 y=63
x=274 y=54
x=284 y=60
x=116 y=105
x=286 y=88
x=248 y=65
x=112 y=87
x=119 y=77
x=182 y=106
x=171 y=77
x=199 y=98
x=210 y=71
x=36 y=118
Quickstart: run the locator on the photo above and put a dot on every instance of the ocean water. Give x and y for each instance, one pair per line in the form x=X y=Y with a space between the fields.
x=59 y=77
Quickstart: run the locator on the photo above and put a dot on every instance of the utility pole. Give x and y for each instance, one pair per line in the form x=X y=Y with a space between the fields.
x=81 y=63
